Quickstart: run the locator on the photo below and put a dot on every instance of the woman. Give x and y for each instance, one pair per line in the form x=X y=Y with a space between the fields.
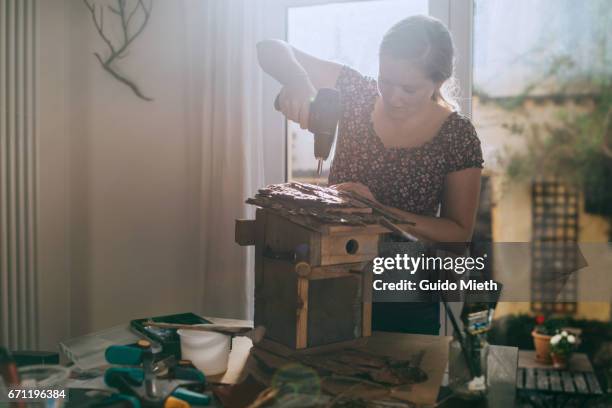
x=400 y=141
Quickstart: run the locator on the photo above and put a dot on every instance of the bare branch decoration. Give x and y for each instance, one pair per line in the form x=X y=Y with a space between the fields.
x=129 y=34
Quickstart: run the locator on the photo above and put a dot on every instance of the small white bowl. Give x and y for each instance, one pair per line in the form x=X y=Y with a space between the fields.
x=207 y=350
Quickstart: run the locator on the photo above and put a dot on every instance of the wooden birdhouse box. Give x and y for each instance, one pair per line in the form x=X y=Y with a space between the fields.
x=312 y=287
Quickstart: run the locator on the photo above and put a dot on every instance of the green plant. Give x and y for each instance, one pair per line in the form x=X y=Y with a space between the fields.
x=575 y=147
x=568 y=149
x=562 y=343
x=571 y=150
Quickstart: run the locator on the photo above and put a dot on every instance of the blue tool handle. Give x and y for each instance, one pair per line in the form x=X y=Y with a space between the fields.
x=124 y=355
x=117 y=377
x=192 y=397
x=189 y=374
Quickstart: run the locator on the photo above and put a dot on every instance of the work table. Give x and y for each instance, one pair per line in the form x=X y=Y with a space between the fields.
x=502 y=366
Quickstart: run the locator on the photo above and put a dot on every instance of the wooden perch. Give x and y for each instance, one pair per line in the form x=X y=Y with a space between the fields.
x=128 y=36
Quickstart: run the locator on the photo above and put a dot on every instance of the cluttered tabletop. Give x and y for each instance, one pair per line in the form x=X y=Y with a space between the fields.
x=114 y=368
x=311 y=342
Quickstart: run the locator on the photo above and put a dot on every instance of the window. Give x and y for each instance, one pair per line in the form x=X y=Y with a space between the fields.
x=347 y=32
x=532 y=62
x=541 y=92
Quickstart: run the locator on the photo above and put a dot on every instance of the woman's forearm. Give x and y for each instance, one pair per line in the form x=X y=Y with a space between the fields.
x=434 y=229
x=277 y=59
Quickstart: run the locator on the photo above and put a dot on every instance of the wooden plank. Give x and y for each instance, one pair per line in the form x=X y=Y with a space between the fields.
x=332 y=229
x=520 y=378
x=245 y=232
x=580 y=381
x=568 y=382
x=283 y=236
x=375 y=229
x=542 y=380
x=280 y=301
x=336 y=271
x=334 y=310
x=349 y=248
x=315 y=248
x=555 y=381
x=301 y=337
x=530 y=383
x=593 y=383
x=330 y=271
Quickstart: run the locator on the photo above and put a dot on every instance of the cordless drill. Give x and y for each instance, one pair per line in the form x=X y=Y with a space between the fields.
x=324 y=115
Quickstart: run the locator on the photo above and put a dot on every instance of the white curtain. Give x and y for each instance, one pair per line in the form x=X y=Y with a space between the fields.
x=226 y=110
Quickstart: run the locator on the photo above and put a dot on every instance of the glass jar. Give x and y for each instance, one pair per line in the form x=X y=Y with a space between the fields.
x=466 y=382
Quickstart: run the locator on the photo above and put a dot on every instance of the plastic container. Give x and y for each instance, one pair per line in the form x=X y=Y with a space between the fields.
x=45 y=380
x=207 y=350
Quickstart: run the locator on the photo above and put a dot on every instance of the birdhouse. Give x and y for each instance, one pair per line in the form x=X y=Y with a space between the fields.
x=312 y=286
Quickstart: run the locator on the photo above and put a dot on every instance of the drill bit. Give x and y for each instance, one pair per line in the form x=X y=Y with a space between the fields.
x=319 y=167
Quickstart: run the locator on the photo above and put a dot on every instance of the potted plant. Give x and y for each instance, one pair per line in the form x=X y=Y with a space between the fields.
x=561 y=347
x=543 y=332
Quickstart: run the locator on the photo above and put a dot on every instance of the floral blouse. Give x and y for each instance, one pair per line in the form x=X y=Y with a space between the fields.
x=411 y=178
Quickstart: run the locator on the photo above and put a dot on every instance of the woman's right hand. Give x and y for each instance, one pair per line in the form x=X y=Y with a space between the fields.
x=294 y=100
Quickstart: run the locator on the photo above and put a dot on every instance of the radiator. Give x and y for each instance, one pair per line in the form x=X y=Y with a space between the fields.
x=18 y=283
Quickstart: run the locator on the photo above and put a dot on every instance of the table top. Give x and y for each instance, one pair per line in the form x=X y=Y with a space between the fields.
x=577 y=362
x=502 y=366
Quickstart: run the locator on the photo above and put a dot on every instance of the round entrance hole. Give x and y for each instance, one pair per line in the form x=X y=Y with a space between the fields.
x=352 y=246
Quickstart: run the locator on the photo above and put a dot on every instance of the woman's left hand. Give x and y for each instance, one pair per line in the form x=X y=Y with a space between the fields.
x=357 y=188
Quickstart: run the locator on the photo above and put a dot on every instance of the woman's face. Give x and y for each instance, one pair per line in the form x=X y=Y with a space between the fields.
x=404 y=87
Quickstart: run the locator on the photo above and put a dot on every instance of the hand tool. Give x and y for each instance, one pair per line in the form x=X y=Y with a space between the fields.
x=142 y=382
x=185 y=370
x=147 y=365
x=128 y=381
x=323 y=117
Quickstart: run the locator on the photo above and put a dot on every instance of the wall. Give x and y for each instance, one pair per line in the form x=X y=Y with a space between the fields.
x=127 y=174
x=53 y=161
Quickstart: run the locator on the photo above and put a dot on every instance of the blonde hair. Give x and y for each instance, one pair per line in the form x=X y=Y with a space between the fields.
x=426 y=41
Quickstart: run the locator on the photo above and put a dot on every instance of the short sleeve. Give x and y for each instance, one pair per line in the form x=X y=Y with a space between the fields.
x=356 y=91
x=464 y=148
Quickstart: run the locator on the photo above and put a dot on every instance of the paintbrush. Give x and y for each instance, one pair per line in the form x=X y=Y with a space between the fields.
x=386 y=215
x=378 y=208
